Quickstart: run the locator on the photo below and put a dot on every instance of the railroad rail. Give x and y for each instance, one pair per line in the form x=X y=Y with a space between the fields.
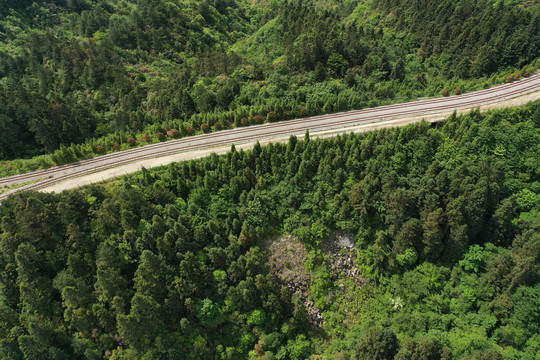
x=272 y=130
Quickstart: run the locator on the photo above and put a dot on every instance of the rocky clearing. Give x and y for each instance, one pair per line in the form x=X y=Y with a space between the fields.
x=287 y=256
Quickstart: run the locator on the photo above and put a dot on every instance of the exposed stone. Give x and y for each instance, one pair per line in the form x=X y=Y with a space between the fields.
x=287 y=255
x=286 y=259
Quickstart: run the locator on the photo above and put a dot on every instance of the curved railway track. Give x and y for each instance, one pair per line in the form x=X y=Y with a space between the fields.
x=272 y=130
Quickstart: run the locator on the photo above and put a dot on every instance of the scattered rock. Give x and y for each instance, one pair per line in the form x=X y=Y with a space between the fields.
x=286 y=259
x=287 y=255
x=341 y=256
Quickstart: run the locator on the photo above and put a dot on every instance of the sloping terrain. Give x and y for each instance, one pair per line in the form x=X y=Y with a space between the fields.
x=121 y=162
x=170 y=263
x=106 y=74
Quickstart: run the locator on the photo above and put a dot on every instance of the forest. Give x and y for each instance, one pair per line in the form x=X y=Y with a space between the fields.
x=79 y=78
x=172 y=262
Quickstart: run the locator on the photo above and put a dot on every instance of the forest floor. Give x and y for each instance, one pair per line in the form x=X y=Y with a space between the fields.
x=188 y=155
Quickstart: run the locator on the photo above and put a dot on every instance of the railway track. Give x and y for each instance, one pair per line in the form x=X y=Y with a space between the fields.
x=45 y=172
x=272 y=130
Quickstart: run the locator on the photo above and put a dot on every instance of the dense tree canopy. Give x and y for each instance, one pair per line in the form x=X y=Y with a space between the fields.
x=73 y=71
x=169 y=263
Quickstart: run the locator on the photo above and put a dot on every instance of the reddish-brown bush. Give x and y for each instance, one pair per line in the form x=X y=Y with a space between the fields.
x=130 y=141
x=457 y=91
x=517 y=76
x=509 y=79
x=257 y=119
x=445 y=92
x=116 y=146
x=244 y=121
x=100 y=149
x=205 y=127
x=9 y=167
x=217 y=125
x=258 y=350
x=190 y=130
x=147 y=138
x=173 y=133
x=526 y=73
x=160 y=136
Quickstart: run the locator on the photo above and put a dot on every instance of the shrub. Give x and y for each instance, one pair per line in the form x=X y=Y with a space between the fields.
x=116 y=146
x=509 y=79
x=287 y=114
x=517 y=76
x=244 y=121
x=408 y=258
x=256 y=317
x=217 y=125
x=160 y=136
x=130 y=141
x=302 y=111
x=271 y=117
x=445 y=92
x=147 y=138
x=257 y=119
x=190 y=130
x=174 y=133
x=457 y=91
x=9 y=167
x=100 y=149
x=205 y=128
x=526 y=73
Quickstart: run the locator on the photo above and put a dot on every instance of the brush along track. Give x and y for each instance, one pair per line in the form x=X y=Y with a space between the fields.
x=273 y=130
x=420 y=103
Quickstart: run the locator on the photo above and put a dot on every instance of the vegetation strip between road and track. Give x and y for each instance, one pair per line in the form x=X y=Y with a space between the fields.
x=158 y=152
x=10 y=179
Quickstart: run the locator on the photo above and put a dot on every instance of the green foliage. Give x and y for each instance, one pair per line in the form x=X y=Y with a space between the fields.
x=95 y=73
x=473 y=259
x=377 y=344
x=408 y=258
x=220 y=275
x=207 y=312
x=257 y=317
x=337 y=64
x=171 y=263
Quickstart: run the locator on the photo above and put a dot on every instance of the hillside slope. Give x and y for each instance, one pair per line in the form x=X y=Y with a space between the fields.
x=169 y=263
x=100 y=72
